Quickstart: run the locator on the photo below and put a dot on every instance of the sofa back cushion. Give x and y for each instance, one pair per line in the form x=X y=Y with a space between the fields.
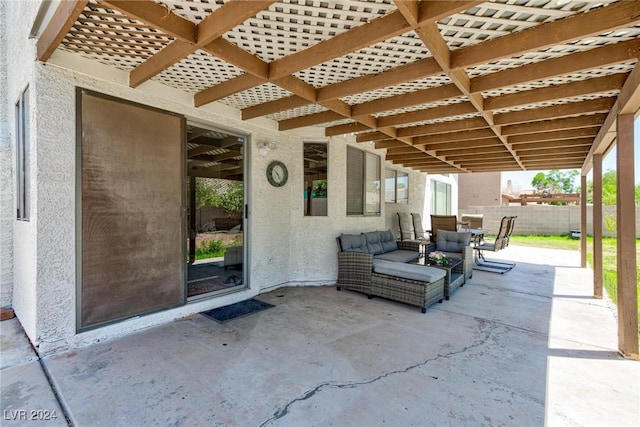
x=388 y=241
x=452 y=241
x=374 y=246
x=353 y=243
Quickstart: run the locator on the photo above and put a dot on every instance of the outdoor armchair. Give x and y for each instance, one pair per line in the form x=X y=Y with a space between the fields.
x=442 y=222
x=456 y=244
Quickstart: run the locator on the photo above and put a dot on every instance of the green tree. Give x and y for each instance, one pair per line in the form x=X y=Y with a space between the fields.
x=231 y=200
x=555 y=181
x=226 y=195
x=609 y=189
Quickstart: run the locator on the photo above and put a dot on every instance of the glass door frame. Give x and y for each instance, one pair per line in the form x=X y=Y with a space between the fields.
x=246 y=227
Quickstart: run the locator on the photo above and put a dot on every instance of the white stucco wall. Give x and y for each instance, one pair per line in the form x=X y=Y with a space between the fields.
x=416 y=202
x=287 y=248
x=479 y=189
x=20 y=54
x=6 y=174
x=451 y=179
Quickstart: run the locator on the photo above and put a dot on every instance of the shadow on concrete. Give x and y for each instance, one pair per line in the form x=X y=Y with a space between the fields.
x=526 y=348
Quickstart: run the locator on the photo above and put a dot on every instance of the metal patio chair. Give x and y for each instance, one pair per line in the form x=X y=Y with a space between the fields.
x=500 y=242
x=418 y=228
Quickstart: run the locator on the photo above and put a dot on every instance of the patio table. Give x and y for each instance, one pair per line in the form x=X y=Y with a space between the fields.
x=454 y=277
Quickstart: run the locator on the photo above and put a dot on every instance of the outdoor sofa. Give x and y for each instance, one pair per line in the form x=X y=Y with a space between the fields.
x=375 y=264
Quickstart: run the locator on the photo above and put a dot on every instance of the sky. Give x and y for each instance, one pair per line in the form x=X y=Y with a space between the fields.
x=522 y=180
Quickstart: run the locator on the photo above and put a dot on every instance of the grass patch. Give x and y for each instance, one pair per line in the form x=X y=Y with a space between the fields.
x=555 y=242
x=210 y=249
x=609 y=256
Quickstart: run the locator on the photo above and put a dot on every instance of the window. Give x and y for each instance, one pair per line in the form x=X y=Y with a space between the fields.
x=363 y=182
x=440 y=198
x=22 y=156
x=315 y=179
x=396 y=186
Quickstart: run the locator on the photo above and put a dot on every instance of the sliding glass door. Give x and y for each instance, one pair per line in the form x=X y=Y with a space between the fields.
x=215 y=223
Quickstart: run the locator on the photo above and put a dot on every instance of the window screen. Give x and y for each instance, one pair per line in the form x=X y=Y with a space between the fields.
x=22 y=156
x=363 y=182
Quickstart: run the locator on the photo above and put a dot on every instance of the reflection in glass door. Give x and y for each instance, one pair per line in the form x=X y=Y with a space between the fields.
x=215 y=223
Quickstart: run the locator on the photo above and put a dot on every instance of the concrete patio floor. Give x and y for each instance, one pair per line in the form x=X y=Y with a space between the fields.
x=527 y=348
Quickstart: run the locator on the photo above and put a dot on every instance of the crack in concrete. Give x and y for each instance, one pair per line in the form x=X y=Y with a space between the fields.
x=283 y=411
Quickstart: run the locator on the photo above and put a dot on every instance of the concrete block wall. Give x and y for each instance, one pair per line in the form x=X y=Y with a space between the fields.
x=545 y=219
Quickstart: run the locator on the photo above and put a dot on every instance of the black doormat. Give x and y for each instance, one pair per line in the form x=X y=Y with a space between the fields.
x=242 y=308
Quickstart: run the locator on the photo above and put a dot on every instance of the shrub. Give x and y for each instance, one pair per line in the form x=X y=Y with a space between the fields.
x=210 y=249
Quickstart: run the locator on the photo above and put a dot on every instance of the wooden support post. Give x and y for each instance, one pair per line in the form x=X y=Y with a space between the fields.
x=626 y=227
x=192 y=219
x=597 y=226
x=583 y=221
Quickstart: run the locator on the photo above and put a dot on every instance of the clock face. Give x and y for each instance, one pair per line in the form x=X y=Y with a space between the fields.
x=277 y=174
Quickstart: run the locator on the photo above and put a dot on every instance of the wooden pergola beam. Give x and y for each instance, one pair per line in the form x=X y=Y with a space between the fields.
x=62 y=21
x=408 y=156
x=377 y=30
x=433 y=39
x=485 y=157
x=553 y=144
x=227 y=88
x=581 y=25
x=551 y=93
x=553 y=125
x=345 y=128
x=549 y=163
x=418 y=97
x=472 y=143
x=557 y=135
x=309 y=120
x=627 y=102
x=156 y=16
x=427 y=114
x=475 y=151
x=455 y=136
x=495 y=162
x=565 y=152
x=575 y=62
x=371 y=136
x=272 y=107
x=563 y=110
x=221 y=20
x=412 y=71
x=389 y=143
x=444 y=127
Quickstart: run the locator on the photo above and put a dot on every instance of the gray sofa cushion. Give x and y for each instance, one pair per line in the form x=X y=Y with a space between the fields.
x=452 y=241
x=408 y=271
x=353 y=243
x=374 y=246
x=388 y=241
x=398 y=256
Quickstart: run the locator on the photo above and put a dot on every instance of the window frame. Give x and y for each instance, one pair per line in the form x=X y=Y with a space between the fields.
x=435 y=208
x=364 y=181
x=304 y=170
x=395 y=179
x=23 y=156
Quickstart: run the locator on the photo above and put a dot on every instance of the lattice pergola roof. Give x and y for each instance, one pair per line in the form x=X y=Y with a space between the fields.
x=444 y=86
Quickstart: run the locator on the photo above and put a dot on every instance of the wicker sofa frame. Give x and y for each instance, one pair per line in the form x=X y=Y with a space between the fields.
x=355 y=272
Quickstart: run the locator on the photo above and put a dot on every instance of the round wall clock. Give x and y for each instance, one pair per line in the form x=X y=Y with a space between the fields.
x=277 y=173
